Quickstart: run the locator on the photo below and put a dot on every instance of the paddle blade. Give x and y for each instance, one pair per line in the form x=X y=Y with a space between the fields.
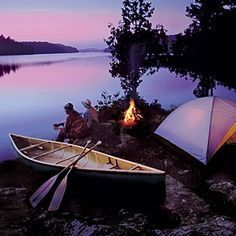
x=58 y=195
x=42 y=191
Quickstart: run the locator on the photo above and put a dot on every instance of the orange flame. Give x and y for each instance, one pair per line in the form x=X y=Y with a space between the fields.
x=131 y=115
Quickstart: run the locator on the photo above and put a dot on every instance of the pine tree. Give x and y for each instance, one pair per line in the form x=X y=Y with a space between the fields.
x=135 y=45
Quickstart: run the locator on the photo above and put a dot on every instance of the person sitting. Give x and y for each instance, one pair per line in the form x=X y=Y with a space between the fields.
x=90 y=115
x=74 y=128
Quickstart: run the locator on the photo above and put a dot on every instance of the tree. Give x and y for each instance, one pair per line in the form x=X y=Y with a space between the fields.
x=213 y=26
x=208 y=44
x=135 y=45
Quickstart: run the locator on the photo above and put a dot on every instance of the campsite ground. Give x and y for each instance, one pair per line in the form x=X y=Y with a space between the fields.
x=200 y=200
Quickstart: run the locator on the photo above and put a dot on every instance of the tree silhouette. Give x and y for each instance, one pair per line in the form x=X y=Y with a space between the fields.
x=207 y=45
x=135 y=45
x=7 y=68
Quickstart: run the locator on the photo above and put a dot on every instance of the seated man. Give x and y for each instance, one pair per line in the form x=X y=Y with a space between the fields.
x=90 y=114
x=74 y=127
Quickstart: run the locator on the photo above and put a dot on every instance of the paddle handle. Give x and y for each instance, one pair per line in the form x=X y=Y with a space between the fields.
x=81 y=155
x=84 y=154
x=88 y=142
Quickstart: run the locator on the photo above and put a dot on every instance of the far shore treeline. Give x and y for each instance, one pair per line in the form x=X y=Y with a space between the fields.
x=9 y=46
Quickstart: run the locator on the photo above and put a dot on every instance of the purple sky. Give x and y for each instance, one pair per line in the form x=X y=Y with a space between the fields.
x=79 y=23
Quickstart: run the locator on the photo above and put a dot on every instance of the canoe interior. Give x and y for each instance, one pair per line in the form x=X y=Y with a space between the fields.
x=100 y=176
x=58 y=154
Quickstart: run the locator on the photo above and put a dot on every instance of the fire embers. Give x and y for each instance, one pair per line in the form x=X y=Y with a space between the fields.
x=132 y=115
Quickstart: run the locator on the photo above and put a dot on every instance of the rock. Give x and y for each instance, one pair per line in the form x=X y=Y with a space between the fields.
x=223 y=187
x=11 y=191
x=184 y=203
x=197 y=202
x=104 y=132
x=128 y=142
x=217 y=226
x=232 y=197
x=183 y=172
x=13 y=210
x=78 y=228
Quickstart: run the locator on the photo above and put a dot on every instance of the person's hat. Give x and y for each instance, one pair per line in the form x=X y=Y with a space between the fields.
x=87 y=103
x=69 y=106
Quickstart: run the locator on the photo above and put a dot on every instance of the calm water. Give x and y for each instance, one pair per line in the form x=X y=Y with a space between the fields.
x=32 y=95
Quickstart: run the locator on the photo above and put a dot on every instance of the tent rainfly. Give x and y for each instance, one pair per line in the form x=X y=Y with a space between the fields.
x=201 y=126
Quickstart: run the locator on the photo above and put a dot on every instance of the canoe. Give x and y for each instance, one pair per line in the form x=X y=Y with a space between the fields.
x=96 y=172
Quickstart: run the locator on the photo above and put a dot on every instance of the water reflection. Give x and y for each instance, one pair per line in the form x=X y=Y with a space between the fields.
x=134 y=67
x=205 y=83
x=7 y=69
x=207 y=78
x=32 y=98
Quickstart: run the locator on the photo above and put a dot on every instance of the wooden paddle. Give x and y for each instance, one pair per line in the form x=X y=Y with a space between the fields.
x=60 y=191
x=42 y=191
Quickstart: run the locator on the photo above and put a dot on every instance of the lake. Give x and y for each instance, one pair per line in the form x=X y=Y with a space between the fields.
x=34 y=89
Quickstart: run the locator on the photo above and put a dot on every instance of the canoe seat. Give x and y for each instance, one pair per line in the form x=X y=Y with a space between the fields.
x=39 y=145
x=50 y=152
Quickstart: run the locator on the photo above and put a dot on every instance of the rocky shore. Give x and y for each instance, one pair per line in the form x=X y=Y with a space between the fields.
x=200 y=200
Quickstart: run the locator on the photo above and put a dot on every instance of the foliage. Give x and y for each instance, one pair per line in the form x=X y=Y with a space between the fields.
x=135 y=45
x=205 y=49
x=213 y=27
x=109 y=107
x=7 y=68
x=107 y=99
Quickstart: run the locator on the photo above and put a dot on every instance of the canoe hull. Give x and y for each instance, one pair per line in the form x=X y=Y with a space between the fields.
x=120 y=186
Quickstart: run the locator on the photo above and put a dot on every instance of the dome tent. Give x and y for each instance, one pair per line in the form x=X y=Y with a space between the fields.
x=201 y=126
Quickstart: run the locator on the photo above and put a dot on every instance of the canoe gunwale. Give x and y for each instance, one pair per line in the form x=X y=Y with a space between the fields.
x=152 y=170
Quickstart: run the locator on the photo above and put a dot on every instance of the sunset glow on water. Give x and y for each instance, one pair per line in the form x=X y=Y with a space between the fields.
x=33 y=96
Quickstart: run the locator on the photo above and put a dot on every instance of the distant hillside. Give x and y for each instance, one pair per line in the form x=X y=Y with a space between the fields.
x=9 y=46
x=45 y=47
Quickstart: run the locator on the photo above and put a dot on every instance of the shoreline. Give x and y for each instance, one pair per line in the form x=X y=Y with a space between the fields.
x=194 y=196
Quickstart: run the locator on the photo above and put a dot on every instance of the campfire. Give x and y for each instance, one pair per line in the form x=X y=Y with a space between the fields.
x=132 y=115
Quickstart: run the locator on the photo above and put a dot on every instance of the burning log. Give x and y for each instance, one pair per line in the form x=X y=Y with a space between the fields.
x=132 y=115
